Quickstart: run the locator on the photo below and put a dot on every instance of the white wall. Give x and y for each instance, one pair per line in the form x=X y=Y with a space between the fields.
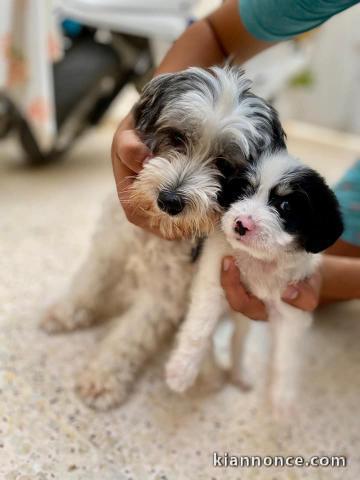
x=333 y=100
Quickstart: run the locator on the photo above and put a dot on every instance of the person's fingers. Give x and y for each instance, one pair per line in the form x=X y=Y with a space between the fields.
x=124 y=177
x=129 y=150
x=133 y=214
x=128 y=154
x=304 y=295
x=236 y=295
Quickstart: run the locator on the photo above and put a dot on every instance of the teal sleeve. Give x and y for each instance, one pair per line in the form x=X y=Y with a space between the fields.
x=274 y=20
x=348 y=192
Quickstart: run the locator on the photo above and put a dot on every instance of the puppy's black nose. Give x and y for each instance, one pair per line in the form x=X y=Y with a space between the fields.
x=170 y=202
x=239 y=228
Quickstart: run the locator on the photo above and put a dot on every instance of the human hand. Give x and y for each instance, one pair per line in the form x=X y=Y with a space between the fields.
x=128 y=155
x=304 y=295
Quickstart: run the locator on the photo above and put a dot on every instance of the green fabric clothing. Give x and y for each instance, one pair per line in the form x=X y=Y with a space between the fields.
x=348 y=193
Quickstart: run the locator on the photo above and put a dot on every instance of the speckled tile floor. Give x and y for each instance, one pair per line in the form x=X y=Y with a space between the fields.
x=46 y=217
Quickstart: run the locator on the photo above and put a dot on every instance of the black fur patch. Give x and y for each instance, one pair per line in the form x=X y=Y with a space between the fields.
x=160 y=91
x=310 y=212
x=197 y=249
x=234 y=183
x=274 y=127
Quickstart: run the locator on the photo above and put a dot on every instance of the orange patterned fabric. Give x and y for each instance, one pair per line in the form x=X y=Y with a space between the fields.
x=29 y=44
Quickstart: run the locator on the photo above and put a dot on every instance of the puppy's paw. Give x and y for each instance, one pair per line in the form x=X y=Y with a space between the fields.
x=63 y=317
x=101 y=389
x=180 y=373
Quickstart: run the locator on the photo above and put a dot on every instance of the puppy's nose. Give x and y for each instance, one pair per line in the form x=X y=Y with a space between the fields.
x=170 y=202
x=244 y=224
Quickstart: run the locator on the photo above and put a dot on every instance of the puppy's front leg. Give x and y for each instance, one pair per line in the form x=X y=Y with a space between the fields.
x=136 y=336
x=83 y=302
x=207 y=305
x=289 y=327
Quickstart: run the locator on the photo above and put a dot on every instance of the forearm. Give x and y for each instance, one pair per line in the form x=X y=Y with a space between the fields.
x=340 y=278
x=211 y=40
x=196 y=46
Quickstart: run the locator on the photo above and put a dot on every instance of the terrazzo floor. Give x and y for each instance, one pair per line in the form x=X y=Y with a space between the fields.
x=46 y=218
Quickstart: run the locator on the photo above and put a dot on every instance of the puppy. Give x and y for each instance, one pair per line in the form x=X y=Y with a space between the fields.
x=279 y=215
x=200 y=125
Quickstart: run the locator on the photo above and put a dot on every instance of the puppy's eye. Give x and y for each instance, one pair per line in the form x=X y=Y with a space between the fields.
x=285 y=206
x=176 y=138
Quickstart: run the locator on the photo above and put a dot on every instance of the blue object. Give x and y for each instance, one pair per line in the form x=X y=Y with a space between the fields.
x=72 y=28
x=348 y=193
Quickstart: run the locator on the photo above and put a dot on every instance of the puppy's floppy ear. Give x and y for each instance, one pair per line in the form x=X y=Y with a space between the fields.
x=324 y=225
x=277 y=132
x=265 y=120
x=148 y=108
x=233 y=182
x=164 y=90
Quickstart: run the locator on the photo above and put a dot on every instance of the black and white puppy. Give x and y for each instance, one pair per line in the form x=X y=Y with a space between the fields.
x=200 y=126
x=279 y=215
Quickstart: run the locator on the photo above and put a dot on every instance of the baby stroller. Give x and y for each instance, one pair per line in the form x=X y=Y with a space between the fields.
x=106 y=44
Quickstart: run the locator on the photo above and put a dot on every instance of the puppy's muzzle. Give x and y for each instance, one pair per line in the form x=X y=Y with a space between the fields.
x=171 y=203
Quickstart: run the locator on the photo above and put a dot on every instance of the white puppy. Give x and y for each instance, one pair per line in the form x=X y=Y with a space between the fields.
x=279 y=215
x=200 y=125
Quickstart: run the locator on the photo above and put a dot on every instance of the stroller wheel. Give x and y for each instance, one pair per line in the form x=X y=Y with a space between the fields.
x=6 y=117
x=34 y=156
x=12 y=120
